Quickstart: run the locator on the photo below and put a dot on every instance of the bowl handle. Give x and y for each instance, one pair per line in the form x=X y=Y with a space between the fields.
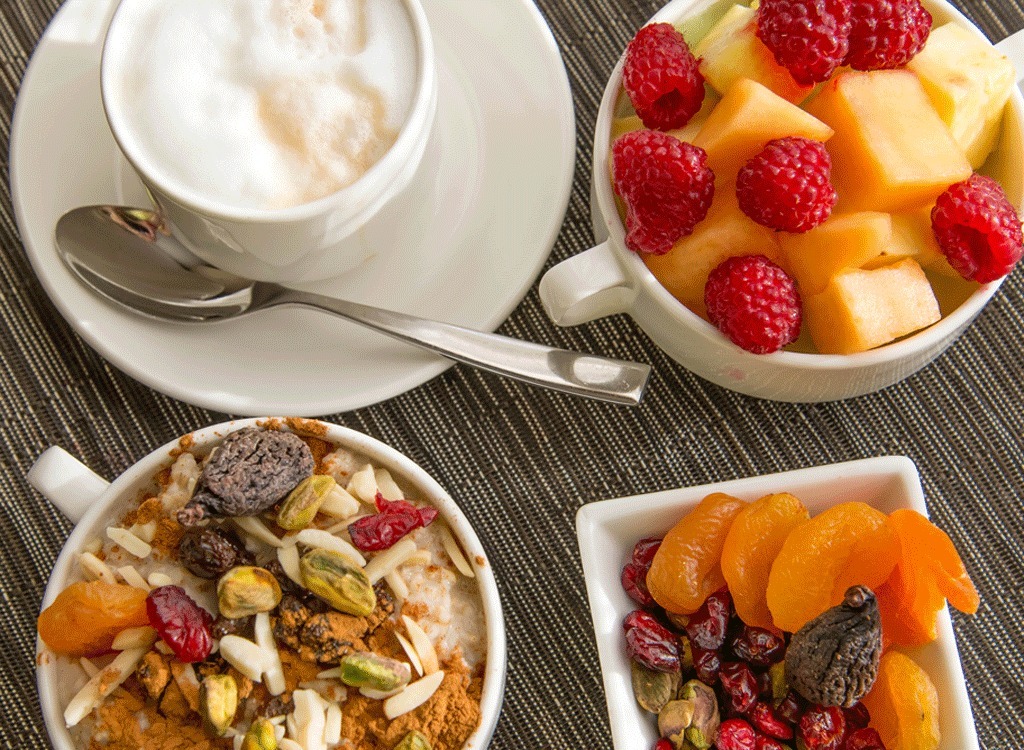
x=586 y=286
x=1013 y=48
x=66 y=482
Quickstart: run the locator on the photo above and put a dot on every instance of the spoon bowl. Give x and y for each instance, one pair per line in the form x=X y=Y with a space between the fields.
x=130 y=257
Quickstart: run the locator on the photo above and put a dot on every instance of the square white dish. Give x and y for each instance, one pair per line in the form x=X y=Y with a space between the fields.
x=609 y=529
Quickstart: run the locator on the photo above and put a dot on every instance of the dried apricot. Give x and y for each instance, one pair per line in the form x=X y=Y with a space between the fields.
x=929 y=571
x=85 y=617
x=904 y=705
x=750 y=548
x=687 y=567
x=848 y=544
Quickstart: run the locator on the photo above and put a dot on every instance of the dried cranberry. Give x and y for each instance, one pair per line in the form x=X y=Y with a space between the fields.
x=182 y=624
x=650 y=642
x=857 y=716
x=634 y=582
x=822 y=728
x=736 y=734
x=791 y=707
x=767 y=721
x=663 y=744
x=644 y=551
x=393 y=520
x=865 y=738
x=707 y=664
x=768 y=743
x=708 y=625
x=758 y=646
x=740 y=685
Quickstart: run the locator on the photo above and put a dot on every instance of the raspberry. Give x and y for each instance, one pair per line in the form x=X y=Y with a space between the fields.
x=788 y=185
x=735 y=734
x=661 y=78
x=809 y=38
x=753 y=302
x=182 y=624
x=978 y=229
x=667 y=187
x=886 y=33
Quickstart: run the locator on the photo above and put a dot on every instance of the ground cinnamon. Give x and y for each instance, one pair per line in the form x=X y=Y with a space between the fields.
x=128 y=723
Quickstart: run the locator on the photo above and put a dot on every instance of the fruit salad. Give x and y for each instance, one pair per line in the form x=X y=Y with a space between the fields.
x=838 y=147
x=278 y=592
x=762 y=628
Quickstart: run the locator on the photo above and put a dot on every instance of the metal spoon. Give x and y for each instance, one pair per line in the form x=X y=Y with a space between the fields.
x=129 y=256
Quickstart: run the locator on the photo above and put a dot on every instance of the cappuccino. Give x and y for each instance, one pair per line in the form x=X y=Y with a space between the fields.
x=262 y=104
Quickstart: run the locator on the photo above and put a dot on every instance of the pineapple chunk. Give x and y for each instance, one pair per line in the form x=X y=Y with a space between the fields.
x=969 y=83
x=862 y=309
x=914 y=229
x=731 y=50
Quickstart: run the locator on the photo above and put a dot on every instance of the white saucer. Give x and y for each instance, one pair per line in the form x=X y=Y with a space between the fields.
x=474 y=231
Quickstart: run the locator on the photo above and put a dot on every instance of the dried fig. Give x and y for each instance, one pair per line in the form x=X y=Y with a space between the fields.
x=833 y=659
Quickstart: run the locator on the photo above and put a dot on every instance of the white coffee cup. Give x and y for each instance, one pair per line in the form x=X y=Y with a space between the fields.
x=309 y=241
x=92 y=504
x=609 y=279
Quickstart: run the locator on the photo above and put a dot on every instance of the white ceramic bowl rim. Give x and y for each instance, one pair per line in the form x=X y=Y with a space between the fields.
x=913 y=344
x=415 y=128
x=382 y=455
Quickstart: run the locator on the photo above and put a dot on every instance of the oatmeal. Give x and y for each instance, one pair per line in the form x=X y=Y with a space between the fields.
x=280 y=592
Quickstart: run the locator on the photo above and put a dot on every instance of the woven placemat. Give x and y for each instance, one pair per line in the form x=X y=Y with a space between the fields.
x=525 y=460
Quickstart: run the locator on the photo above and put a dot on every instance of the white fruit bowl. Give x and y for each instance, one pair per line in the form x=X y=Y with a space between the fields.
x=610 y=279
x=608 y=531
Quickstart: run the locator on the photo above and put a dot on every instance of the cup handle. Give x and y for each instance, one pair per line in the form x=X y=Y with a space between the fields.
x=66 y=482
x=585 y=287
x=1013 y=48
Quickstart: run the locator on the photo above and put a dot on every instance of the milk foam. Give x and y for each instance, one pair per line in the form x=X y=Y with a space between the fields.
x=264 y=103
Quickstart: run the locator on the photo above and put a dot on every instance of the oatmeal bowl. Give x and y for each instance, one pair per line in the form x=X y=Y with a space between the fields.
x=267 y=583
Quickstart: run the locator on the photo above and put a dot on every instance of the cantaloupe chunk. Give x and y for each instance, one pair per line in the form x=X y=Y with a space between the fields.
x=861 y=309
x=890 y=151
x=749 y=116
x=856 y=240
x=914 y=229
x=724 y=233
x=969 y=83
x=731 y=50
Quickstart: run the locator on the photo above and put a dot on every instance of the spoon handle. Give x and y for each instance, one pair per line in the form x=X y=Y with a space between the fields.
x=588 y=375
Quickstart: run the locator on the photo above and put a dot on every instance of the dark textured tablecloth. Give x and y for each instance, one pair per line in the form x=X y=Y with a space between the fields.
x=521 y=461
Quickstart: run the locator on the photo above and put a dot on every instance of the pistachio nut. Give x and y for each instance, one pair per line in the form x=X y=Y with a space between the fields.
x=653 y=690
x=247 y=590
x=300 y=507
x=218 y=701
x=339 y=581
x=685 y=654
x=414 y=741
x=704 y=725
x=780 y=687
x=673 y=720
x=260 y=736
x=364 y=669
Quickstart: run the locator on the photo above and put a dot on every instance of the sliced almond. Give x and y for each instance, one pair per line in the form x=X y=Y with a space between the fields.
x=96 y=568
x=398 y=586
x=363 y=485
x=423 y=645
x=322 y=540
x=129 y=542
x=379 y=695
x=390 y=559
x=88 y=667
x=258 y=530
x=265 y=640
x=287 y=744
x=332 y=725
x=94 y=545
x=156 y=580
x=144 y=531
x=102 y=684
x=413 y=696
x=310 y=721
x=455 y=553
x=339 y=503
x=243 y=655
x=140 y=637
x=410 y=651
x=133 y=577
x=289 y=558
x=343 y=525
x=386 y=485
x=422 y=557
x=329 y=674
